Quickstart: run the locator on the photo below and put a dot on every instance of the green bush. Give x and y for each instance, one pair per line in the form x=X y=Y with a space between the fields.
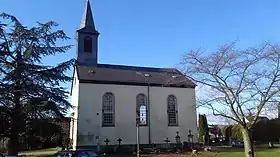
x=66 y=142
x=265 y=131
x=226 y=132
x=200 y=128
x=262 y=131
x=236 y=132
x=203 y=129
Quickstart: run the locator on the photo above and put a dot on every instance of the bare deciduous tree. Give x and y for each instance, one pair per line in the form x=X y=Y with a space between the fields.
x=242 y=82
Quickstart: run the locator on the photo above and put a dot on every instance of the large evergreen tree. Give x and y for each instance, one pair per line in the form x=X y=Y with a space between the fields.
x=29 y=89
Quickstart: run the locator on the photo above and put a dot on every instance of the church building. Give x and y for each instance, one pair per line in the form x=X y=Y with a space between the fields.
x=110 y=100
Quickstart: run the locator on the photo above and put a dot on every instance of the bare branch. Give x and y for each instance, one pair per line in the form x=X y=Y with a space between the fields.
x=247 y=79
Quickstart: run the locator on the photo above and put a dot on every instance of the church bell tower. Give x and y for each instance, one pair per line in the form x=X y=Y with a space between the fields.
x=87 y=39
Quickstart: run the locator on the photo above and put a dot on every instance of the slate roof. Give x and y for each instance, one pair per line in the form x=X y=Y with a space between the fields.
x=132 y=75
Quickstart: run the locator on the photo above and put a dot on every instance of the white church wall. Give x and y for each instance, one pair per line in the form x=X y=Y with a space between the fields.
x=74 y=103
x=186 y=113
x=90 y=114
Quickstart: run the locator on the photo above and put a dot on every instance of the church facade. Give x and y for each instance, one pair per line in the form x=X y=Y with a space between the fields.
x=110 y=100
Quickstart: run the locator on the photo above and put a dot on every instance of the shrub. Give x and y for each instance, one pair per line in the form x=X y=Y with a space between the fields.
x=226 y=132
x=203 y=130
x=66 y=142
x=236 y=132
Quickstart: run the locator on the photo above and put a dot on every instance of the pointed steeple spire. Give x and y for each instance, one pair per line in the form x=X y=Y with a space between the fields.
x=87 y=21
x=87 y=39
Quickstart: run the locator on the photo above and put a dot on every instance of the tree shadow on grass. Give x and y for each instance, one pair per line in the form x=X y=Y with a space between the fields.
x=234 y=149
x=228 y=149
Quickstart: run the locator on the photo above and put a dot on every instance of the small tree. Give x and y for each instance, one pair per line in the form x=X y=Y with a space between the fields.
x=236 y=132
x=206 y=130
x=200 y=128
x=203 y=130
x=240 y=83
x=226 y=132
x=28 y=88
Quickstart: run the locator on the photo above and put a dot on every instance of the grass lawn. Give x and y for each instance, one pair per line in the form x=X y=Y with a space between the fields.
x=40 y=152
x=219 y=152
x=239 y=152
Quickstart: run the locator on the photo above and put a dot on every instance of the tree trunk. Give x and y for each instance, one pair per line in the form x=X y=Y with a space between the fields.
x=248 y=144
x=16 y=121
x=13 y=145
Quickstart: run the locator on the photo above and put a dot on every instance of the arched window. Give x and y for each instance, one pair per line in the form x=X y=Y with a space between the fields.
x=141 y=109
x=172 y=110
x=88 y=44
x=108 y=109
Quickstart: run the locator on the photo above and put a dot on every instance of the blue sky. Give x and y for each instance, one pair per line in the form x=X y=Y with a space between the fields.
x=156 y=32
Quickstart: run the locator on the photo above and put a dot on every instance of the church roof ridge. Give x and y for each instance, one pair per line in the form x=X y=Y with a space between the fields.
x=134 y=68
x=141 y=68
x=132 y=75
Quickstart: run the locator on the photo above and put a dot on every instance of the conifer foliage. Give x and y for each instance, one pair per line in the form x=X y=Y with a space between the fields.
x=203 y=130
x=29 y=89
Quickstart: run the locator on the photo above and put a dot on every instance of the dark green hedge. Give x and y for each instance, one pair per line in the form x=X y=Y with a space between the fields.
x=263 y=131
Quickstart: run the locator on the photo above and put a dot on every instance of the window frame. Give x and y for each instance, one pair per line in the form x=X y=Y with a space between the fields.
x=175 y=110
x=106 y=111
x=138 y=109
